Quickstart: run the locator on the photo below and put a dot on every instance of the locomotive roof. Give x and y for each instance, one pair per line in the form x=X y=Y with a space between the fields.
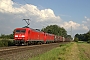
x=35 y=30
x=29 y=28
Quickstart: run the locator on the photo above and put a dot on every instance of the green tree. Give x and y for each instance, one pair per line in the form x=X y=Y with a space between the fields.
x=88 y=36
x=10 y=36
x=69 y=36
x=55 y=29
x=76 y=39
x=83 y=37
x=2 y=36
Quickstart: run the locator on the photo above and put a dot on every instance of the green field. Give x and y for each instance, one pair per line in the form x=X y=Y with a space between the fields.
x=70 y=51
x=84 y=49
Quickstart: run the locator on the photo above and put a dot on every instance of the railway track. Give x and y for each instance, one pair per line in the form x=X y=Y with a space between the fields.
x=15 y=49
x=25 y=52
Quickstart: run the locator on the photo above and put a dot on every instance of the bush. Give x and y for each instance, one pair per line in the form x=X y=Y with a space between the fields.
x=5 y=43
x=10 y=43
x=88 y=41
x=76 y=39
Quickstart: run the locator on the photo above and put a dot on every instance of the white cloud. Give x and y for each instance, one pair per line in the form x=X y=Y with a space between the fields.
x=6 y=5
x=88 y=19
x=11 y=15
x=76 y=27
x=68 y=25
x=84 y=27
x=28 y=10
x=86 y=22
x=85 y=17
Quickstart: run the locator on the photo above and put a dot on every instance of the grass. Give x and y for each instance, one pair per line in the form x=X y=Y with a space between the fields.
x=54 y=54
x=70 y=51
x=84 y=49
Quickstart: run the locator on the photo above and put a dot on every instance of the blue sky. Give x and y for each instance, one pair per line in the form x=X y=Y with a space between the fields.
x=68 y=9
x=64 y=13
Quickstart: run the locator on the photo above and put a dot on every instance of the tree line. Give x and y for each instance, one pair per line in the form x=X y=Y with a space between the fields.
x=83 y=37
x=10 y=36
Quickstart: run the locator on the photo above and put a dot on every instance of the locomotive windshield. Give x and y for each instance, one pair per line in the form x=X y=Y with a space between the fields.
x=20 y=31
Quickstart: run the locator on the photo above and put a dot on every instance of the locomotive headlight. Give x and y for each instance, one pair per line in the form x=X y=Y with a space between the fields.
x=23 y=35
x=16 y=35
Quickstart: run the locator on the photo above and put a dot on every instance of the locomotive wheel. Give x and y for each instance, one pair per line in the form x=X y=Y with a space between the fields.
x=26 y=43
x=39 y=43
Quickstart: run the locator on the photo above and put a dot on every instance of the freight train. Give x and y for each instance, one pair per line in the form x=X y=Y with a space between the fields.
x=28 y=36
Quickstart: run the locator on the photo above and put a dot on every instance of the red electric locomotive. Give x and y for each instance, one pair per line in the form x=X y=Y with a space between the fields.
x=49 y=37
x=27 y=36
x=31 y=36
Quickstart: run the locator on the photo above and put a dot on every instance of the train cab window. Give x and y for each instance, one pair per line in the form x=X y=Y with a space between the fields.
x=23 y=31
x=20 y=31
x=17 y=31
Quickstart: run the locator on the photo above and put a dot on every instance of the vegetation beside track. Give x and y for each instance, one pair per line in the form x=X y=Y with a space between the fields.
x=84 y=49
x=54 y=54
x=6 y=42
x=70 y=51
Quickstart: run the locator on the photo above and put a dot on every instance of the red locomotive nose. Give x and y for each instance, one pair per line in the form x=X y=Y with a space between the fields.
x=20 y=36
x=16 y=36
